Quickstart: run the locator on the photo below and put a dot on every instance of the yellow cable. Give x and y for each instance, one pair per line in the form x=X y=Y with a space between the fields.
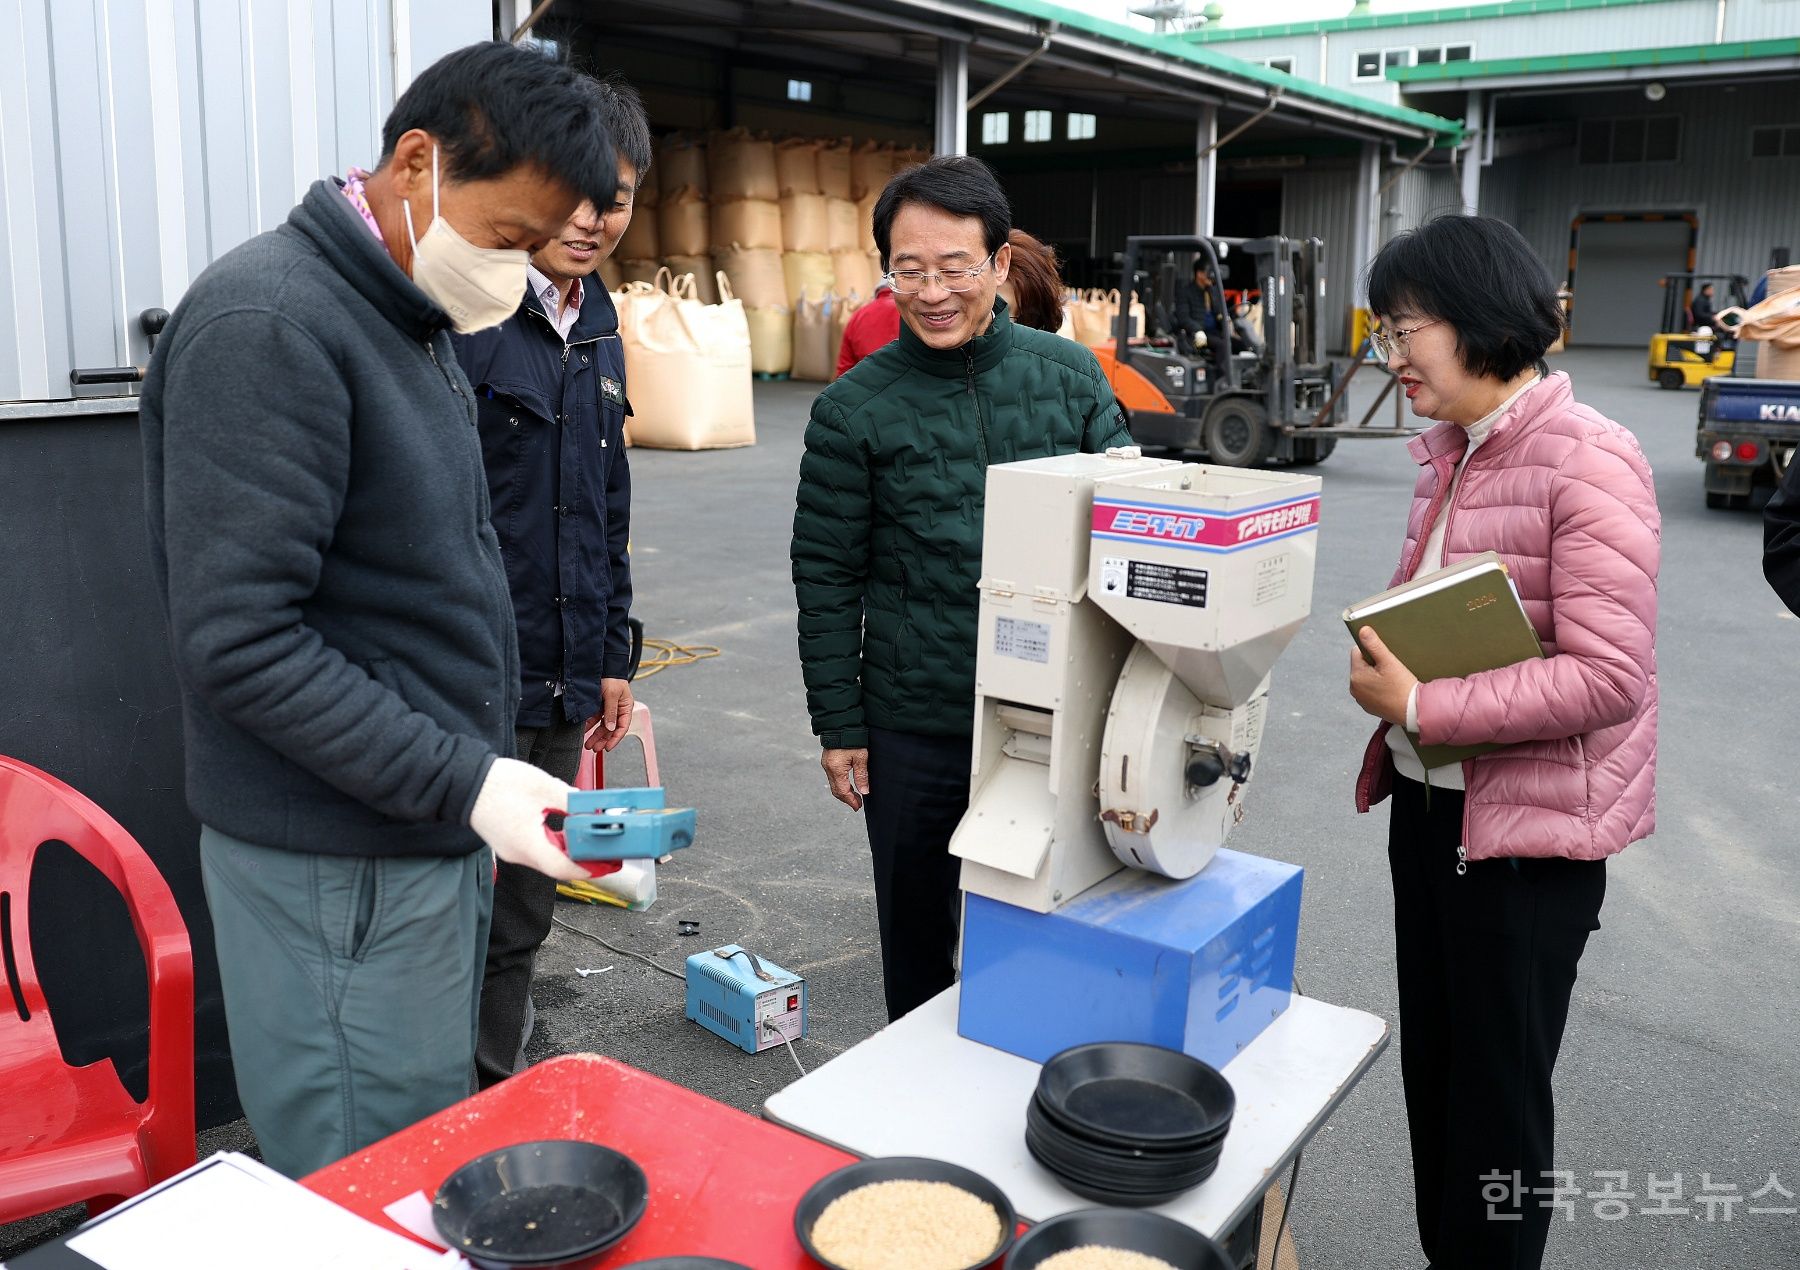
x=588 y=893
x=667 y=654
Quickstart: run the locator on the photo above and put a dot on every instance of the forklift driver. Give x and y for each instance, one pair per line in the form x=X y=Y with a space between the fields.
x=1199 y=318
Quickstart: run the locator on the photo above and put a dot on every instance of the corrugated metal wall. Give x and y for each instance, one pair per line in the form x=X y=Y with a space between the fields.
x=1745 y=205
x=1418 y=196
x=1054 y=206
x=1319 y=201
x=141 y=139
x=1101 y=209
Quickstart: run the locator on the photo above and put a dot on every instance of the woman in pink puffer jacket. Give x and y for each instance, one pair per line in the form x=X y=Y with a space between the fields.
x=1499 y=871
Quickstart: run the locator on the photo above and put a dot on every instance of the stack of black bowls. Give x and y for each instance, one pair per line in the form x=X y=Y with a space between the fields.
x=1129 y=1124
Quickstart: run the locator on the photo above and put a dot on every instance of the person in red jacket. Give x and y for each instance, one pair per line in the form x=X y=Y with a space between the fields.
x=875 y=324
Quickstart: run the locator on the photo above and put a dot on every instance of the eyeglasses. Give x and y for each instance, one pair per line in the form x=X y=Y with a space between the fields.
x=1399 y=339
x=913 y=281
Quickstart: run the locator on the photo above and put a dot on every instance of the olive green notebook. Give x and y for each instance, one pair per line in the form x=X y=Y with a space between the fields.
x=1449 y=624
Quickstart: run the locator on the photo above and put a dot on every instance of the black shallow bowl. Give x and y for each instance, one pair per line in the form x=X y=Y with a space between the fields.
x=1127 y=1153
x=540 y=1205
x=685 y=1263
x=1126 y=1092
x=1119 y=1175
x=1149 y=1233
x=901 y=1168
x=1110 y=1190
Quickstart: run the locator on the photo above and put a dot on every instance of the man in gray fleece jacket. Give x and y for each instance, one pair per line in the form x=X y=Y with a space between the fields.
x=340 y=618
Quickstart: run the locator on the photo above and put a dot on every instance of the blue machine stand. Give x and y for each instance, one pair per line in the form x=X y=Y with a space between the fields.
x=752 y=1003
x=625 y=824
x=1202 y=966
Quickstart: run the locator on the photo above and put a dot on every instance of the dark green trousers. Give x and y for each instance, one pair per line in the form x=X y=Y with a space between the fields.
x=351 y=989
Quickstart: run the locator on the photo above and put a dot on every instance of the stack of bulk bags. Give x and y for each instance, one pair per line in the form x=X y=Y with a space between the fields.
x=683 y=224
x=834 y=169
x=681 y=164
x=843 y=231
x=815 y=355
x=640 y=246
x=852 y=270
x=805 y=271
x=806 y=243
x=745 y=186
x=797 y=166
x=699 y=268
x=840 y=320
x=740 y=165
x=759 y=280
x=865 y=220
x=871 y=164
x=688 y=365
x=805 y=236
x=638 y=271
x=748 y=222
x=610 y=275
x=771 y=339
x=685 y=229
x=755 y=274
x=805 y=222
x=854 y=273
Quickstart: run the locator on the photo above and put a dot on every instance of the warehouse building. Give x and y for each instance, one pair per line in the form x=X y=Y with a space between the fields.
x=1627 y=139
x=1098 y=130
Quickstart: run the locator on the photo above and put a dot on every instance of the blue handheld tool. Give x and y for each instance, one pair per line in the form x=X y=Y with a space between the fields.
x=752 y=1003
x=625 y=824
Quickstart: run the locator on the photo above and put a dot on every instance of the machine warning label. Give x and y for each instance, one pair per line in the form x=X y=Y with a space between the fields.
x=1271 y=580
x=1112 y=574
x=1028 y=641
x=1166 y=584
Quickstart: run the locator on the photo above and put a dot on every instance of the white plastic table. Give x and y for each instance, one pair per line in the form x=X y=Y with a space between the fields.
x=917 y=1088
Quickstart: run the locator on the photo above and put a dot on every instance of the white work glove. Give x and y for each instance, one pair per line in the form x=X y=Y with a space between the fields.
x=509 y=816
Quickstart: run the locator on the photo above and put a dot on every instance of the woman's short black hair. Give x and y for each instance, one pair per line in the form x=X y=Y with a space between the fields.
x=1479 y=275
x=494 y=106
x=955 y=183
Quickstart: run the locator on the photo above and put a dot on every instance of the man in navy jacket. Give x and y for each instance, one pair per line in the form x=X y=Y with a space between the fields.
x=550 y=397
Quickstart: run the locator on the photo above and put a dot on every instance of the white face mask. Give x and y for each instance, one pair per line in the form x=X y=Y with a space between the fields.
x=478 y=287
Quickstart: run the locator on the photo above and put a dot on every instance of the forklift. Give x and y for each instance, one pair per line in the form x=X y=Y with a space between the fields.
x=1680 y=358
x=1252 y=401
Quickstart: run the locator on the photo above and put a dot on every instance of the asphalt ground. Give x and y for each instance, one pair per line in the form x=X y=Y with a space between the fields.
x=1679 y=1056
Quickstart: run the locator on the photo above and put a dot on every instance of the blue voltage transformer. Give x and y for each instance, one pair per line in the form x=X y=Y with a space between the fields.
x=625 y=824
x=752 y=1003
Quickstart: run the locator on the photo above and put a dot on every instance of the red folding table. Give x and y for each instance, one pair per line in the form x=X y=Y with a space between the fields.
x=722 y=1183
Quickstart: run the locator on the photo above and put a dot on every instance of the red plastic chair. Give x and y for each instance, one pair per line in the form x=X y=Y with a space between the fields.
x=69 y=1134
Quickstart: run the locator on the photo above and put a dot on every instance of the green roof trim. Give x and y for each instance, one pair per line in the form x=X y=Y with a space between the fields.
x=1448 y=131
x=1416 y=17
x=1681 y=55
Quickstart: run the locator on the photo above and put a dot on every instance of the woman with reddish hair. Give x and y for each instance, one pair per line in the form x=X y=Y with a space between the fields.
x=1033 y=289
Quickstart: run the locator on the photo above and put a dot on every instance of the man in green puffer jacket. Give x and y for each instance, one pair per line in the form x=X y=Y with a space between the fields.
x=887 y=539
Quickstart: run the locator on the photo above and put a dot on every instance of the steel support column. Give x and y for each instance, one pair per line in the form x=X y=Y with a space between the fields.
x=1206 y=191
x=1471 y=155
x=952 y=98
x=1365 y=226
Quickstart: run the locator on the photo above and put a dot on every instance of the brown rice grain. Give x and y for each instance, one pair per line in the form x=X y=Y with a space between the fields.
x=1099 y=1257
x=907 y=1225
